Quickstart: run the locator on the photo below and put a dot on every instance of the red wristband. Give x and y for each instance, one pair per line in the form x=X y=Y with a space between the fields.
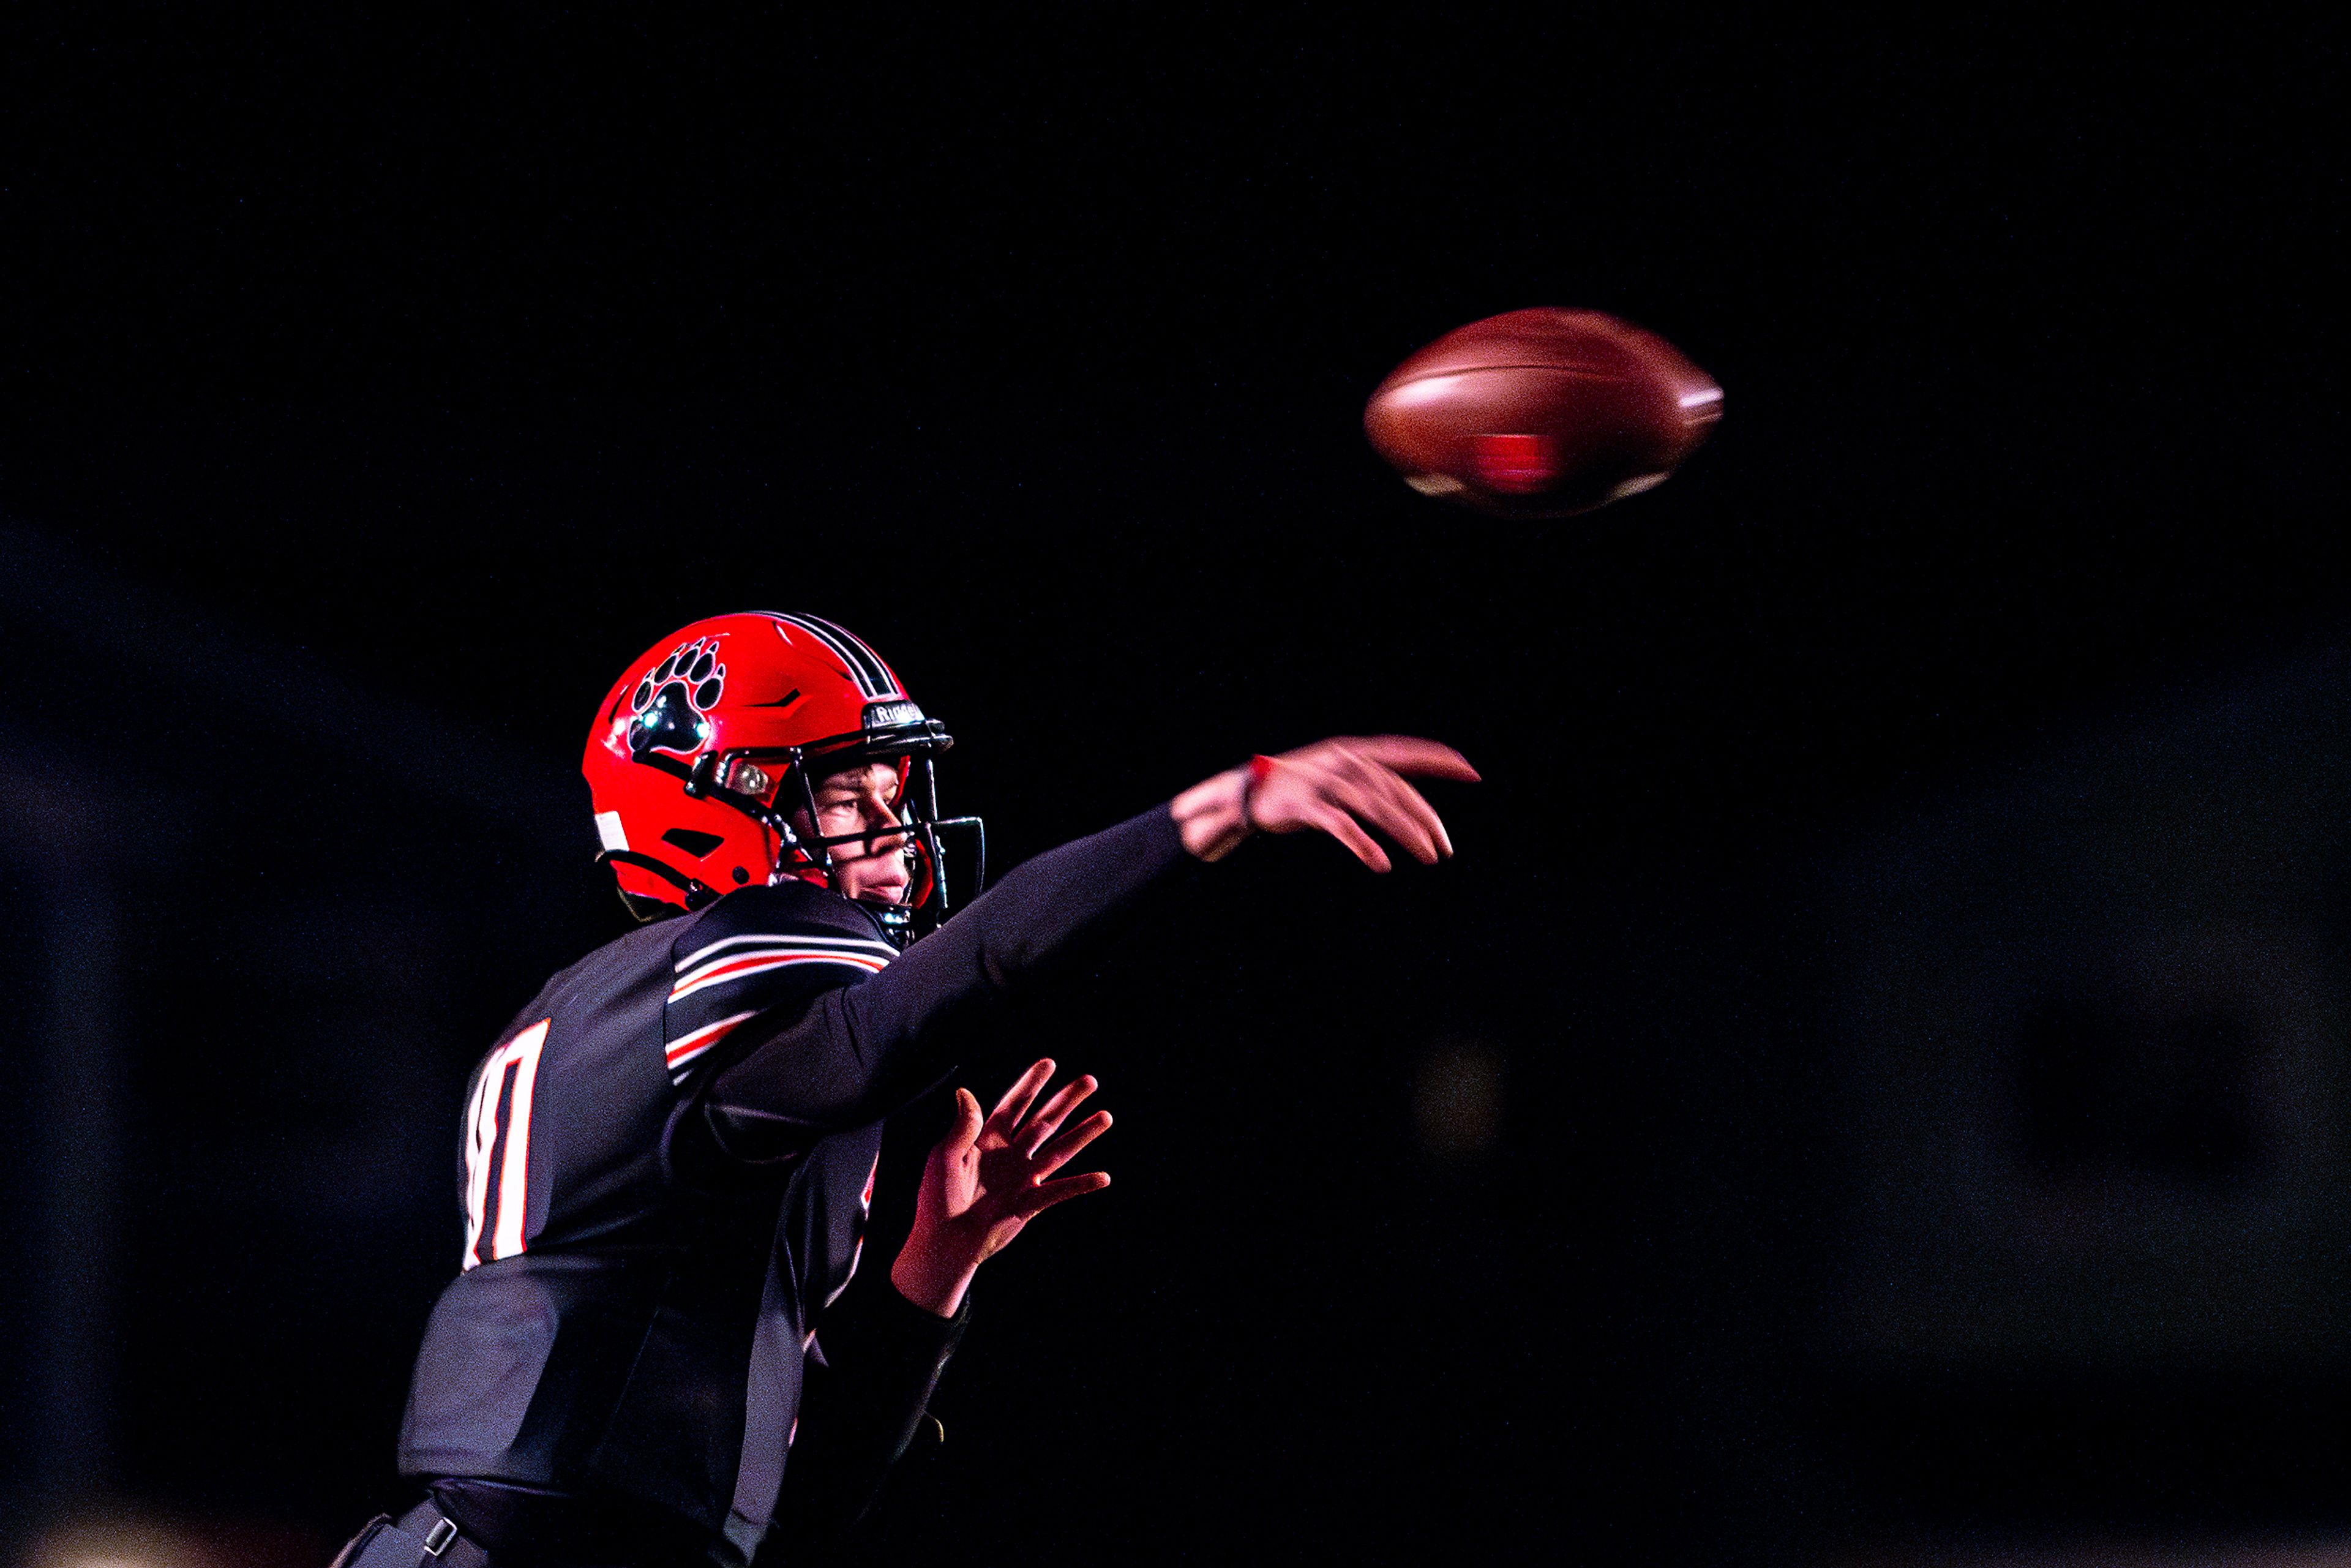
x=1259 y=771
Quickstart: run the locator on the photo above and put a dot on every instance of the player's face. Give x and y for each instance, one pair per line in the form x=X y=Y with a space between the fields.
x=865 y=799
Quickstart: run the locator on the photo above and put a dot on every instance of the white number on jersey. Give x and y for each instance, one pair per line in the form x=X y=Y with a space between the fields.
x=497 y=1149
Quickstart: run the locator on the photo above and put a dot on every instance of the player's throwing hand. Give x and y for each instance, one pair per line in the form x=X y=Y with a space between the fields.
x=1345 y=787
x=985 y=1180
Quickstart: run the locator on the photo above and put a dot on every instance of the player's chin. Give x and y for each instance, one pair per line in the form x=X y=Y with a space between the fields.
x=881 y=891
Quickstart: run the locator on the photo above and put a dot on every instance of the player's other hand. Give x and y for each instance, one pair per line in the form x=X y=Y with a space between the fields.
x=1348 y=787
x=987 y=1178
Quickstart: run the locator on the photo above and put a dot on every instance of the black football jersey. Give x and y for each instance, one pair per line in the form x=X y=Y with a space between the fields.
x=665 y=1168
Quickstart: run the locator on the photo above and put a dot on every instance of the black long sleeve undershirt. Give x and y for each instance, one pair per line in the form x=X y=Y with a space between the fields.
x=860 y=1410
x=859 y=1052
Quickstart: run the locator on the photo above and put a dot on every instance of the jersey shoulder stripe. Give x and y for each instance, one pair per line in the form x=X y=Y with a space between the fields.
x=749 y=981
x=782 y=953
x=713 y=951
x=689 y=1048
x=764 y=960
x=764 y=951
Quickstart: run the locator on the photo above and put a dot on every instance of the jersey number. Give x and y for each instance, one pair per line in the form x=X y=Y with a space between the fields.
x=498 y=1148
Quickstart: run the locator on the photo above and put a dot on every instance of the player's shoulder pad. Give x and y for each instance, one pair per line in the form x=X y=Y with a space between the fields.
x=757 y=949
x=788 y=908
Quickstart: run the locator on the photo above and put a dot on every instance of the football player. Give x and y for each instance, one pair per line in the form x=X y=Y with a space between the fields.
x=667 y=1163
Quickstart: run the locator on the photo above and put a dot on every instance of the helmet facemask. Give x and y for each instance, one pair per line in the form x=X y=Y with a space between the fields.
x=767 y=785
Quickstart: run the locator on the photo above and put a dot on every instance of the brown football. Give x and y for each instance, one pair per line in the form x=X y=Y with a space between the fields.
x=1542 y=413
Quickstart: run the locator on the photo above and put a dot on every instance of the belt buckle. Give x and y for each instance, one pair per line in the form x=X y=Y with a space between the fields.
x=437 y=1539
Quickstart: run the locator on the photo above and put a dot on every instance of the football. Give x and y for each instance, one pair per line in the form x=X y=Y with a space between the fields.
x=1542 y=413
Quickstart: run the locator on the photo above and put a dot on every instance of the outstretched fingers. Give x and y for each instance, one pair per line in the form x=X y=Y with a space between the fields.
x=1411 y=754
x=1038 y=1199
x=1412 y=803
x=1052 y=1157
x=1354 y=786
x=1385 y=801
x=1348 y=832
x=1004 y=1122
x=1050 y=1115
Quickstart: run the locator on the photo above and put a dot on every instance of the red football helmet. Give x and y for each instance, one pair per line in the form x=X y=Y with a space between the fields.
x=705 y=747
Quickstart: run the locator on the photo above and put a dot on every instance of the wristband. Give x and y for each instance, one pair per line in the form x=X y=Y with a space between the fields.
x=1259 y=771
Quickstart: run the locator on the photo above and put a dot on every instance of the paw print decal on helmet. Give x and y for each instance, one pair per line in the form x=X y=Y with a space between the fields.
x=670 y=701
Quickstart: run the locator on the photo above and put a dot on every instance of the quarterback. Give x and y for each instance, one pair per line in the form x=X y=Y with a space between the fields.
x=658 y=1349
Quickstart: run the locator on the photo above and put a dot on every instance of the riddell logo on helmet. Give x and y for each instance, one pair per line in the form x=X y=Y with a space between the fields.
x=669 y=703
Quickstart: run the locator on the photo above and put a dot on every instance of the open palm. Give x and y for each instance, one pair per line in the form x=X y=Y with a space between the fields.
x=988 y=1177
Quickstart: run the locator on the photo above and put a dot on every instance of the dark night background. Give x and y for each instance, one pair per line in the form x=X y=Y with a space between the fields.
x=374 y=385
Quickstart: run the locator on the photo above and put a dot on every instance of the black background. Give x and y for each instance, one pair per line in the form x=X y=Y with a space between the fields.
x=471 y=354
